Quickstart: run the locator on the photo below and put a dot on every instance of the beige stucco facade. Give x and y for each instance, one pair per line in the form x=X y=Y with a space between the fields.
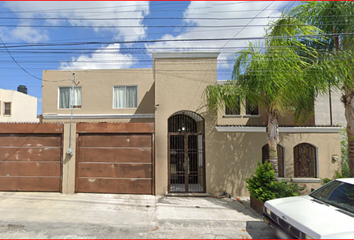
x=23 y=107
x=233 y=156
x=97 y=94
x=176 y=83
x=182 y=90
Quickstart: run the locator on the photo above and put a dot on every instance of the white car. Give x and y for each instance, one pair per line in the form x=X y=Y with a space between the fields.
x=326 y=213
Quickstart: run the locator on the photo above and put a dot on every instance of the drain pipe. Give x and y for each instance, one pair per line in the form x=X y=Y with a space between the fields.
x=70 y=151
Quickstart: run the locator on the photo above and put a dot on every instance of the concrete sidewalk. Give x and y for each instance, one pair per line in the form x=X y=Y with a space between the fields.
x=55 y=215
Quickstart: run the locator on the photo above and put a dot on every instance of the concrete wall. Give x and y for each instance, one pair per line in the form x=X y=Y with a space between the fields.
x=23 y=106
x=322 y=116
x=97 y=91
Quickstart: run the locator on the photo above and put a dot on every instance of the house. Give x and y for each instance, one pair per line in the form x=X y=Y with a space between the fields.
x=148 y=131
x=17 y=106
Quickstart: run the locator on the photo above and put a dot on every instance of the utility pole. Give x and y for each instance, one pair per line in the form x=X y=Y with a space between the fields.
x=70 y=151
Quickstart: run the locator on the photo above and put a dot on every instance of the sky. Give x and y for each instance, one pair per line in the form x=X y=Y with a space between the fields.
x=69 y=35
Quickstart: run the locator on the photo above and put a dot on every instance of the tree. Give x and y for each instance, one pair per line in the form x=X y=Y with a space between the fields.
x=337 y=20
x=275 y=75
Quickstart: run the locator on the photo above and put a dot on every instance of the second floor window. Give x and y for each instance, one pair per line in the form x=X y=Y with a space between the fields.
x=251 y=108
x=125 y=97
x=233 y=107
x=7 y=109
x=64 y=97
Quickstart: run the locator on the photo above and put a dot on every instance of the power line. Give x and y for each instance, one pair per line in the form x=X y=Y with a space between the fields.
x=78 y=10
x=158 y=26
x=140 y=18
x=158 y=18
x=25 y=69
x=183 y=40
x=134 y=26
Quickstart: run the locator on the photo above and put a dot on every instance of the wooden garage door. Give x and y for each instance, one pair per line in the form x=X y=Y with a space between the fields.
x=115 y=163
x=30 y=160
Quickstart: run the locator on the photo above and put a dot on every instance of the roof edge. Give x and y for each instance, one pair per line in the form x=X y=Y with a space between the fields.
x=185 y=55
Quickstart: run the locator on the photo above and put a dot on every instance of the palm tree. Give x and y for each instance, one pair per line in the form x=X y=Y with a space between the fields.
x=336 y=19
x=273 y=74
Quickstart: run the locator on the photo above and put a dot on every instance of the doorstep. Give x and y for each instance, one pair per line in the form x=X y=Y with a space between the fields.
x=187 y=195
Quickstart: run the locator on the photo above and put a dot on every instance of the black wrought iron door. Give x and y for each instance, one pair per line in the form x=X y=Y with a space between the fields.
x=186 y=152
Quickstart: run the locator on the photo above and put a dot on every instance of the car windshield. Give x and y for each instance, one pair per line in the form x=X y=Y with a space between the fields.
x=338 y=194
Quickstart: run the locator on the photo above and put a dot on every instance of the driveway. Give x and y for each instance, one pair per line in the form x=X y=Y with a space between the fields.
x=55 y=215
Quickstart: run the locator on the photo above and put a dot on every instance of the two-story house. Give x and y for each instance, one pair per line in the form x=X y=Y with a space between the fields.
x=149 y=131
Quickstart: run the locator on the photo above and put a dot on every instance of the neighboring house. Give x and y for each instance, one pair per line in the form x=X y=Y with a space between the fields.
x=17 y=106
x=149 y=131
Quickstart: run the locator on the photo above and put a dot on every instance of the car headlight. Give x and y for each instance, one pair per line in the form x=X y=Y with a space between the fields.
x=267 y=211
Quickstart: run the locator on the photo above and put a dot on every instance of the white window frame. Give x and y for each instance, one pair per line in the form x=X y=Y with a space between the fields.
x=137 y=93
x=58 y=102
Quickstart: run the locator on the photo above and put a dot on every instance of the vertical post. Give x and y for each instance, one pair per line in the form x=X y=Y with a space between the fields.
x=186 y=163
x=72 y=107
x=330 y=104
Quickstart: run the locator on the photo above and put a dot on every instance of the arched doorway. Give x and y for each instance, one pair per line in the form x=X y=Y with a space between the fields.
x=186 y=153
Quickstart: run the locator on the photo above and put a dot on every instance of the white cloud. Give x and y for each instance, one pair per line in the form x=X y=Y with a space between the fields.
x=84 y=12
x=104 y=58
x=244 y=11
x=28 y=35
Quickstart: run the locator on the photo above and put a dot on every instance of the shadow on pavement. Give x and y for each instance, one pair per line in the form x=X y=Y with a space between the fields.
x=259 y=230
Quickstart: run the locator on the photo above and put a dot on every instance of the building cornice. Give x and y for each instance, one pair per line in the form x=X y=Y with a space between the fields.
x=98 y=116
x=186 y=55
x=281 y=129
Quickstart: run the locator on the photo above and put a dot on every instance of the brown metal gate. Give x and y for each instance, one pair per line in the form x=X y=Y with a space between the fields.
x=115 y=158
x=30 y=157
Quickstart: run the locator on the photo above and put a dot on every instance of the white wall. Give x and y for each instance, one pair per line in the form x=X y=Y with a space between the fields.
x=23 y=107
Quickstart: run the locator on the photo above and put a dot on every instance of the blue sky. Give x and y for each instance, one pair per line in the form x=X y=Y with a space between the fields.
x=55 y=35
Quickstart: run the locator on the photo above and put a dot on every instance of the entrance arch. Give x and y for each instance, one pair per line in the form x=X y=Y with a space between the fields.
x=186 y=154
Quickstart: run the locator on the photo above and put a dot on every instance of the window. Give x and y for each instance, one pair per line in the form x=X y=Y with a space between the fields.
x=233 y=107
x=125 y=97
x=304 y=160
x=280 y=150
x=64 y=97
x=7 y=109
x=251 y=108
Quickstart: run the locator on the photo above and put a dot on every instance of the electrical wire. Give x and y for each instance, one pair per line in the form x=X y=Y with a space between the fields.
x=25 y=69
x=184 y=40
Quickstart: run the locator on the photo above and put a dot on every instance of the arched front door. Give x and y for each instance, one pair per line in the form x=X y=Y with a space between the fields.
x=186 y=153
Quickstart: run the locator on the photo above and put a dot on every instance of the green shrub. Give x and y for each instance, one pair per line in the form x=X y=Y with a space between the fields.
x=325 y=180
x=263 y=185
